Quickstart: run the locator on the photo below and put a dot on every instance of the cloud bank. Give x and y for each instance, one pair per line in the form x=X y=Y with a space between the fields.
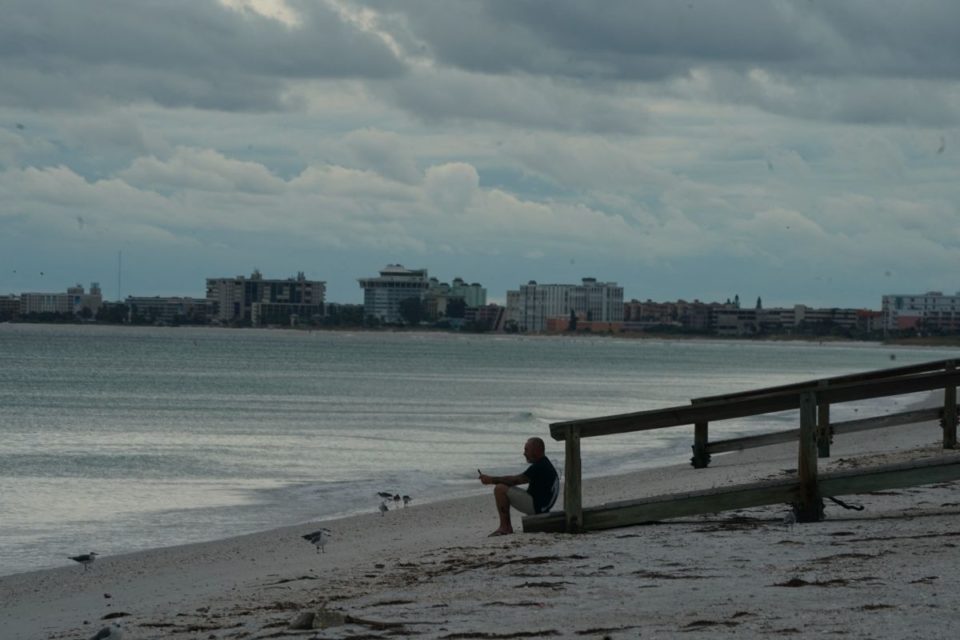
x=801 y=151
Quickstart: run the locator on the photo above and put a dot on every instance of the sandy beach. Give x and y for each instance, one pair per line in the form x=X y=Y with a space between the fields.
x=429 y=570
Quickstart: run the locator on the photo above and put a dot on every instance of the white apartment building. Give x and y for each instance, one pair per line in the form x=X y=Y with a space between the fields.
x=511 y=311
x=473 y=294
x=382 y=295
x=932 y=310
x=74 y=301
x=440 y=294
x=531 y=305
x=257 y=300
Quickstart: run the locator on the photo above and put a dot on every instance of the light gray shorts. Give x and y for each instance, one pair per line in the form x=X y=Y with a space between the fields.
x=521 y=500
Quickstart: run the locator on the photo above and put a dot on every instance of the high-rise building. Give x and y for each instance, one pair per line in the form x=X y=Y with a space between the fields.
x=382 y=295
x=473 y=294
x=440 y=295
x=257 y=300
x=533 y=304
x=930 y=311
x=74 y=301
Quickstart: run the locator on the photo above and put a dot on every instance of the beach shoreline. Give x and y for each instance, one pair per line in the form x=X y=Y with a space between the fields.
x=431 y=571
x=914 y=341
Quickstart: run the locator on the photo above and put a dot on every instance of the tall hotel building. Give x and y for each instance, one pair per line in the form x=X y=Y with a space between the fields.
x=256 y=300
x=382 y=295
x=74 y=301
x=931 y=310
x=533 y=304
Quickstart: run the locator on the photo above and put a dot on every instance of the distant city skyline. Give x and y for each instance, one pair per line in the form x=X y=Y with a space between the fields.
x=493 y=296
x=801 y=152
x=589 y=306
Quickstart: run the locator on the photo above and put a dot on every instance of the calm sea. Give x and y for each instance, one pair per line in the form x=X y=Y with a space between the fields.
x=115 y=439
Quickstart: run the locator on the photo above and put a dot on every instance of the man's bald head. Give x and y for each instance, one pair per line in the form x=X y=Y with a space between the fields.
x=534 y=449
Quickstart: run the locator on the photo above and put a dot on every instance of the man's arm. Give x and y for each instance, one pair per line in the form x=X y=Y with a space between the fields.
x=510 y=481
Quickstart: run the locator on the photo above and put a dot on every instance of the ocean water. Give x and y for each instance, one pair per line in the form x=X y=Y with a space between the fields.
x=116 y=439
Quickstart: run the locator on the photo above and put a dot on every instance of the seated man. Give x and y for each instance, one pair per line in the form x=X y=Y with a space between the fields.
x=543 y=486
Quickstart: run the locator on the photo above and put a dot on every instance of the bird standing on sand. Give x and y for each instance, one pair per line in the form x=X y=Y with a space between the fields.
x=85 y=558
x=318 y=538
x=406 y=500
x=113 y=632
x=383 y=507
x=789 y=520
x=396 y=500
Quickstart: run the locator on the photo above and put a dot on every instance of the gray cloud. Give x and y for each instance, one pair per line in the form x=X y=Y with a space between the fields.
x=852 y=61
x=175 y=53
x=891 y=38
x=861 y=99
x=660 y=38
x=383 y=152
x=518 y=101
x=611 y=40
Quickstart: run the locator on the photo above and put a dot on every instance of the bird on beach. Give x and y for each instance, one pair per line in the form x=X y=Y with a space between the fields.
x=396 y=500
x=113 y=632
x=383 y=507
x=318 y=538
x=406 y=500
x=789 y=520
x=85 y=558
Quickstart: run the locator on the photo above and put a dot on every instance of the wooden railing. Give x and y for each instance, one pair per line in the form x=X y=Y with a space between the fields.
x=812 y=398
x=702 y=448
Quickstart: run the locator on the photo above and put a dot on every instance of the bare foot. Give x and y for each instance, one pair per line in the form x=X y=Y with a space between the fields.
x=500 y=532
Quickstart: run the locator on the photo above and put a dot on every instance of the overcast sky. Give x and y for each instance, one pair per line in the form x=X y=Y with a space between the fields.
x=803 y=151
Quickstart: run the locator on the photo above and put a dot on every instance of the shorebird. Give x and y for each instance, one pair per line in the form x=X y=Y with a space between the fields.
x=383 y=507
x=113 y=632
x=790 y=519
x=85 y=558
x=406 y=500
x=396 y=500
x=318 y=538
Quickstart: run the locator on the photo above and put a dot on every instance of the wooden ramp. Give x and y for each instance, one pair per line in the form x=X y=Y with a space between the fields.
x=836 y=483
x=813 y=399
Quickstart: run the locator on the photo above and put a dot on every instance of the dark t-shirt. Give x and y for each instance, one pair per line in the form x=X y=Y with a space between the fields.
x=542 y=477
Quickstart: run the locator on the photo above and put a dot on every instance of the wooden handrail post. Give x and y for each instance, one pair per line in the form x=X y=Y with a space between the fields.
x=701 y=457
x=824 y=431
x=949 y=419
x=809 y=507
x=572 y=495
